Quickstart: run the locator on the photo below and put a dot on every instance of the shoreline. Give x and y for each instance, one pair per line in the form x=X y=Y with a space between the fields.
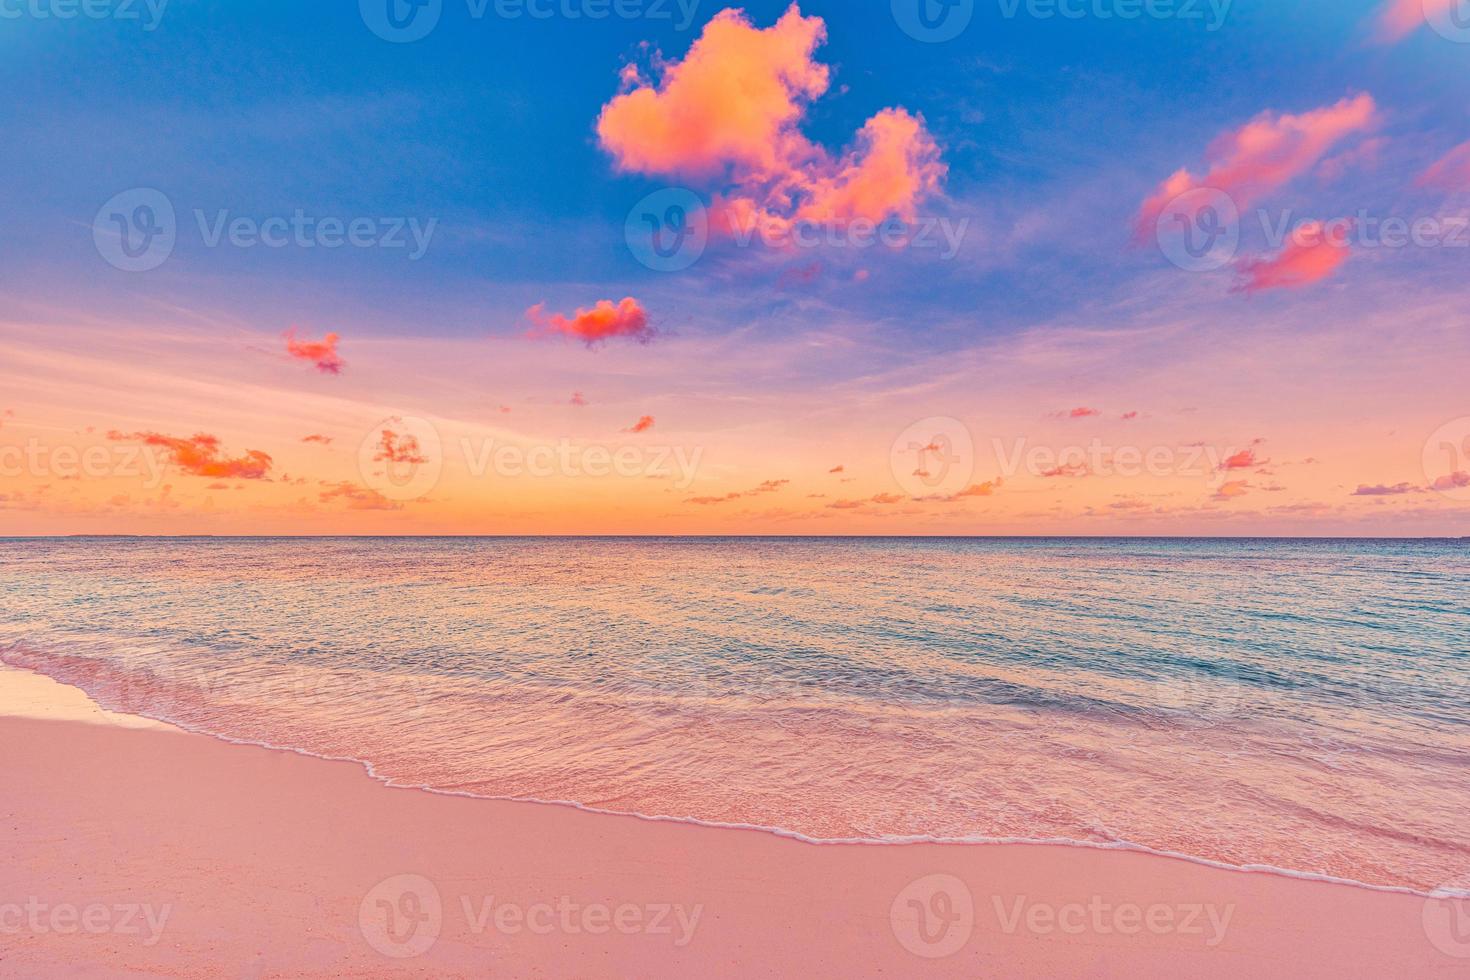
x=779 y=832
x=279 y=862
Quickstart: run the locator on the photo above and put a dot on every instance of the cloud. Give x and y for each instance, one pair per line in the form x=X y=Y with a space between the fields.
x=1067 y=469
x=358 y=498
x=396 y=448
x=1400 y=18
x=596 y=324
x=578 y=399
x=1129 y=416
x=322 y=353
x=769 y=486
x=888 y=498
x=1310 y=257
x=1076 y=413
x=323 y=440
x=1450 y=172
x=1263 y=155
x=643 y=424
x=201 y=455
x=729 y=116
x=1232 y=489
x=1381 y=490
x=838 y=469
x=1455 y=481
x=985 y=489
x=1243 y=460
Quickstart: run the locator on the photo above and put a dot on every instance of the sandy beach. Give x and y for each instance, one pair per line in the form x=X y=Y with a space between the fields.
x=137 y=849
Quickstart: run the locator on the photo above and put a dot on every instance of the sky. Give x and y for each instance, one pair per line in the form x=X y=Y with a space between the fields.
x=1179 y=267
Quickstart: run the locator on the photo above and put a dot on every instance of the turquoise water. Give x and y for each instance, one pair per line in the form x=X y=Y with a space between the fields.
x=1298 y=704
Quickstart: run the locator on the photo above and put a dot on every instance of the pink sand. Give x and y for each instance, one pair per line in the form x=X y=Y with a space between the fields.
x=137 y=848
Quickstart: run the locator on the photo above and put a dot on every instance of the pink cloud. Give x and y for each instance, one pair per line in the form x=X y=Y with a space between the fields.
x=1455 y=481
x=642 y=425
x=1129 y=416
x=729 y=115
x=598 y=323
x=1067 y=469
x=1243 y=460
x=1263 y=155
x=1081 y=412
x=396 y=448
x=1400 y=18
x=201 y=455
x=578 y=399
x=1450 y=172
x=322 y=353
x=1381 y=490
x=1313 y=254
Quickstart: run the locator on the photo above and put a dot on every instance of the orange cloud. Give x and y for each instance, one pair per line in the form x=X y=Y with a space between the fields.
x=201 y=455
x=1232 y=489
x=838 y=469
x=324 y=440
x=1263 y=155
x=1082 y=413
x=730 y=113
x=358 y=498
x=1451 y=172
x=1068 y=469
x=1310 y=257
x=985 y=489
x=642 y=425
x=597 y=324
x=769 y=486
x=322 y=353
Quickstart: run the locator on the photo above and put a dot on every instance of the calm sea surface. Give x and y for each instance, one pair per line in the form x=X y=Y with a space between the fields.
x=1298 y=704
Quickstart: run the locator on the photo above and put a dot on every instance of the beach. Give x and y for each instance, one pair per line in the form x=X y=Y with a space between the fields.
x=138 y=849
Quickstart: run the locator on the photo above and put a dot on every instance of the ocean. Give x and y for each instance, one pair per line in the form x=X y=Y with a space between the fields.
x=1299 y=705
